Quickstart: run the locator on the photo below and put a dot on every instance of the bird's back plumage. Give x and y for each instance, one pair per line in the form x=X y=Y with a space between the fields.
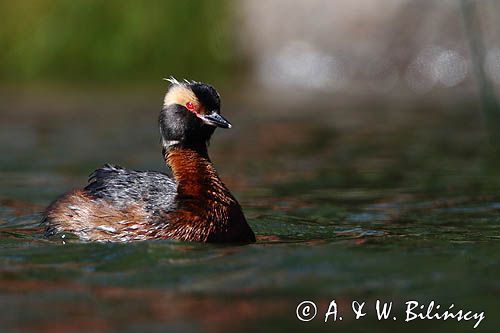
x=116 y=205
x=121 y=186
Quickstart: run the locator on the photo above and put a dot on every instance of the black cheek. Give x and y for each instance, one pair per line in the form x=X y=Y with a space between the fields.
x=171 y=125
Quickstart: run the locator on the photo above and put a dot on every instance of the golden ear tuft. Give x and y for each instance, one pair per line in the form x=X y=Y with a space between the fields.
x=180 y=94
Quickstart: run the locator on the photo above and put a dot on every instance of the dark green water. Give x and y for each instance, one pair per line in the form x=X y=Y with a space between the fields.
x=349 y=202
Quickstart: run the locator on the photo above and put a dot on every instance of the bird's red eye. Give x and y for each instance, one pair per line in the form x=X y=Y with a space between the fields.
x=190 y=106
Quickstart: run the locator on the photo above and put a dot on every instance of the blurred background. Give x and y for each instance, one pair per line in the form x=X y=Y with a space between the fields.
x=364 y=149
x=319 y=46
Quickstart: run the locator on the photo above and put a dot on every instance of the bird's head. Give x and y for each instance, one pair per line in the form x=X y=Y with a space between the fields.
x=190 y=113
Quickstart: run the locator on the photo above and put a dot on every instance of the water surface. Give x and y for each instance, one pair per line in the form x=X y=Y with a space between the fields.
x=349 y=202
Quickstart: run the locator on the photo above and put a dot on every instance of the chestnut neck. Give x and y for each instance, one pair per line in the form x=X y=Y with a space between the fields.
x=206 y=210
x=194 y=173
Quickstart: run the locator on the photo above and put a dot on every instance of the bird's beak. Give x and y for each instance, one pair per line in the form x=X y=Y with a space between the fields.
x=215 y=119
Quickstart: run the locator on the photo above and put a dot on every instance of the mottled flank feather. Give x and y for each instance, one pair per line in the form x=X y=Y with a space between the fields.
x=116 y=205
x=79 y=213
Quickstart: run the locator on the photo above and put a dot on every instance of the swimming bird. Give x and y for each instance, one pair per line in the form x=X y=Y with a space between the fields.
x=121 y=205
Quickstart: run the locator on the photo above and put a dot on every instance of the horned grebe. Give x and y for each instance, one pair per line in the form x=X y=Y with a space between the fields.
x=121 y=205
